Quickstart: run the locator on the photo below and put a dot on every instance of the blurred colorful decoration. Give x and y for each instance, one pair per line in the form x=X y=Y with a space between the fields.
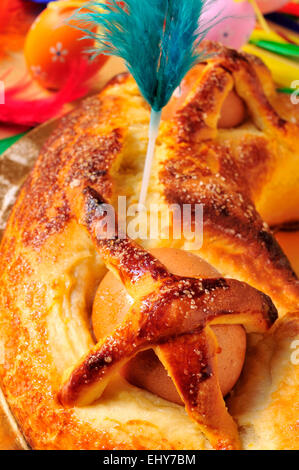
x=267 y=6
x=275 y=41
x=288 y=50
x=285 y=21
x=284 y=70
x=40 y=1
x=6 y=143
x=52 y=46
x=31 y=112
x=242 y=21
x=274 y=35
x=291 y=8
x=15 y=20
x=55 y=57
x=235 y=21
x=57 y=60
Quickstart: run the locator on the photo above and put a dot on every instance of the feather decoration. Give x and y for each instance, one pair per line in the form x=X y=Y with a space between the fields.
x=158 y=41
x=36 y=111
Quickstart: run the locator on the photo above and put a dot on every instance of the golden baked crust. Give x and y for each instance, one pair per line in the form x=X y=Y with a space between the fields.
x=50 y=268
x=265 y=402
x=170 y=314
x=246 y=177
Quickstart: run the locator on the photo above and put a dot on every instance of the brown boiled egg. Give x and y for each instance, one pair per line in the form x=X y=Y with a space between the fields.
x=112 y=302
x=233 y=111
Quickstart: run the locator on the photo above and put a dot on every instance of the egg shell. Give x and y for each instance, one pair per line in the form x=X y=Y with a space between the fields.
x=232 y=22
x=53 y=48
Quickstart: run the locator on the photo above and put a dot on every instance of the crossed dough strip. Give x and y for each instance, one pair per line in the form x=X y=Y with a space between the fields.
x=43 y=244
x=246 y=177
x=171 y=314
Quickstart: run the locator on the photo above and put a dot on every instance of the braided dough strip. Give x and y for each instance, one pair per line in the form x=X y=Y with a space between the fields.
x=165 y=307
x=84 y=150
x=235 y=173
x=199 y=389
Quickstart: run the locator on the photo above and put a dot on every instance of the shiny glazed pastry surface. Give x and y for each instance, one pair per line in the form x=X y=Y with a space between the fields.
x=112 y=303
x=52 y=264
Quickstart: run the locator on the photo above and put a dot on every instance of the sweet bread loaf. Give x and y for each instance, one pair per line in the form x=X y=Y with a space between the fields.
x=66 y=390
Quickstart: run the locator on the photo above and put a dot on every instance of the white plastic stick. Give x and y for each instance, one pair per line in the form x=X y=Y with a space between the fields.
x=153 y=134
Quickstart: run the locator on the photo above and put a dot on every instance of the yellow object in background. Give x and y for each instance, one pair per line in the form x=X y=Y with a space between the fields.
x=273 y=35
x=291 y=35
x=284 y=71
x=262 y=35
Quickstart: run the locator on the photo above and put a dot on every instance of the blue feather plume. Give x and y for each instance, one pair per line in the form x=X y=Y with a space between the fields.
x=156 y=38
